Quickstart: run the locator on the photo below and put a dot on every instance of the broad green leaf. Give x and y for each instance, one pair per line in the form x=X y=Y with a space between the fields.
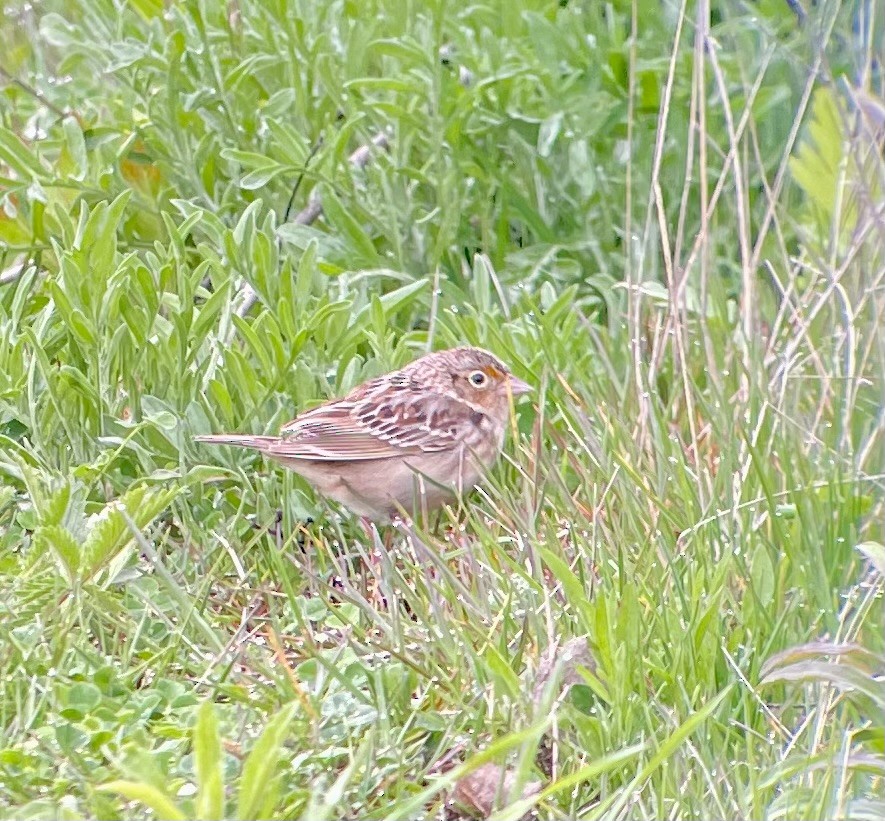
x=148 y=9
x=111 y=533
x=55 y=508
x=157 y=801
x=16 y=155
x=342 y=220
x=261 y=177
x=76 y=147
x=502 y=672
x=815 y=166
x=875 y=552
x=815 y=650
x=258 y=781
x=207 y=763
x=259 y=169
x=63 y=545
x=572 y=586
x=244 y=230
x=248 y=159
x=84 y=695
x=388 y=303
x=845 y=676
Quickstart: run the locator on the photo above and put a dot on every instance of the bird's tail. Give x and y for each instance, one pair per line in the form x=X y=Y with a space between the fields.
x=239 y=440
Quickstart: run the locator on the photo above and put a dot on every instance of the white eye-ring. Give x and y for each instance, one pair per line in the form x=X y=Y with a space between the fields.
x=478 y=379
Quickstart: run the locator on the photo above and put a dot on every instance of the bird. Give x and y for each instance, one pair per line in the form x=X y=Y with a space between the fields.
x=407 y=442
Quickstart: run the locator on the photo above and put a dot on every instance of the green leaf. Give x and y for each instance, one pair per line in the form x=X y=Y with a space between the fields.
x=260 y=177
x=571 y=585
x=161 y=804
x=76 y=147
x=664 y=751
x=111 y=534
x=256 y=344
x=846 y=677
x=248 y=159
x=209 y=311
x=405 y=49
x=207 y=758
x=506 y=680
x=875 y=552
x=288 y=142
x=597 y=768
x=244 y=230
x=63 y=545
x=814 y=650
x=258 y=782
x=148 y=9
x=98 y=236
x=262 y=169
x=84 y=696
x=548 y=133
x=341 y=219
x=816 y=164
x=762 y=575
x=55 y=508
x=16 y=155
x=388 y=304
x=59 y=32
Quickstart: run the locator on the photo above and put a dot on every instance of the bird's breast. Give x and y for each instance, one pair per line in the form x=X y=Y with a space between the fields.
x=484 y=439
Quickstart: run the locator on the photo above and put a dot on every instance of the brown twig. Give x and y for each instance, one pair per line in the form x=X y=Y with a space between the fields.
x=35 y=93
x=247 y=296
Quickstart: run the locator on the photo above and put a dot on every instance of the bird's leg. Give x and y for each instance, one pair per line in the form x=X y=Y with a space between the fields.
x=272 y=528
x=278 y=529
x=437 y=520
x=372 y=572
x=371 y=532
x=391 y=532
x=275 y=529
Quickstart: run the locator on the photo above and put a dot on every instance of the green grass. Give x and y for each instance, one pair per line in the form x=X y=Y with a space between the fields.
x=669 y=223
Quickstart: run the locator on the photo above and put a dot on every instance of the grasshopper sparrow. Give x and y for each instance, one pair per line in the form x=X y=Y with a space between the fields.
x=411 y=440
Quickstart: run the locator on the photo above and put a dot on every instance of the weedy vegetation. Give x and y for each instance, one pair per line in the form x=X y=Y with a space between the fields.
x=665 y=602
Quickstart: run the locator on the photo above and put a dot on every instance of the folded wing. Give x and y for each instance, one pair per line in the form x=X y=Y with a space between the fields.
x=362 y=429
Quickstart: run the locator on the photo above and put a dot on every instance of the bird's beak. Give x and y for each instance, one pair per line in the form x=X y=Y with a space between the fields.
x=518 y=387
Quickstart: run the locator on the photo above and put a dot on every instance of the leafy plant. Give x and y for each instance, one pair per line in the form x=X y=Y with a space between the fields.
x=666 y=218
x=258 y=784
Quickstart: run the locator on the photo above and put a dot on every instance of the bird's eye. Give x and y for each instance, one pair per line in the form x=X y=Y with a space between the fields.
x=478 y=378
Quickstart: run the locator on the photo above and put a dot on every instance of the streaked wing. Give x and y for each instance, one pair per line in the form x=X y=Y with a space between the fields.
x=362 y=427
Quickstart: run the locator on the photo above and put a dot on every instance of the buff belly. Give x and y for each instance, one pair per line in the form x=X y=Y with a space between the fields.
x=380 y=488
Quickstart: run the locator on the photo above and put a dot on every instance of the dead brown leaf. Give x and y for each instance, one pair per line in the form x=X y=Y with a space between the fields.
x=478 y=791
x=571 y=656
